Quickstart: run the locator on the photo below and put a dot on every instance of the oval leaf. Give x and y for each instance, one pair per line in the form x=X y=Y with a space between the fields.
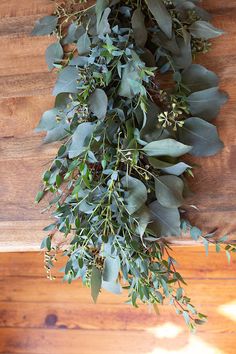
x=166 y=221
x=111 y=269
x=136 y=193
x=202 y=136
x=198 y=78
x=80 y=139
x=84 y=44
x=206 y=103
x=205 y=30
x=67 y=81
x=54 y=54
x=168 y=147
x=169 y=191
x=161 y=15
x=98 y=103
x=44 y=26
x=139 y=28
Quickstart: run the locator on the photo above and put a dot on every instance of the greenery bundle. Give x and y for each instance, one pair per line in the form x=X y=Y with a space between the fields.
x=129 y=104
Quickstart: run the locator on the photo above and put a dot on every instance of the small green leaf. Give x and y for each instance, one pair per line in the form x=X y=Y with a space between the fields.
x=39 y=196
x=96 y=282
x=195 y=233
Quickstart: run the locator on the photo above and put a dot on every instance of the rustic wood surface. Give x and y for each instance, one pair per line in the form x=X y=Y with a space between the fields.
x=25 y=93
x=38 y=316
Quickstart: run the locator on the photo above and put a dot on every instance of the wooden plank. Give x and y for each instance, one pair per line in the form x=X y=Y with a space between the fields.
x=191 y=262
x=20 y=289
x=117 y=342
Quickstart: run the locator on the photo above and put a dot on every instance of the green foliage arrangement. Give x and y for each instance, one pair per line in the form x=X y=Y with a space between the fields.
x=129 y=104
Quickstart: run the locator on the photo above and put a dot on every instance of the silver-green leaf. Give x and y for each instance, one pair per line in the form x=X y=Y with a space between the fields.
x=98 y=102
x=96 y=283
x=169 y=191
x=202 y=136
x=136 y=194
x=80 y=138
x=44 y=26
x=198 y=78
x=166 y=147
x=67 y=81
x=161 y=15
x=166 y=221
x=54 y=54
x=84 y=44
x=206 y=103
x=139 y=28
x=205 y=30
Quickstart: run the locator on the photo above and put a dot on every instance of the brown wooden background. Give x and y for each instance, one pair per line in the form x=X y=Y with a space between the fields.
x=25 y=87
x=42 y=317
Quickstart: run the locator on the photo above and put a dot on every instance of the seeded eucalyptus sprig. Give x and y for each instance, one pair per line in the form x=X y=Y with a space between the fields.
x=129 y=104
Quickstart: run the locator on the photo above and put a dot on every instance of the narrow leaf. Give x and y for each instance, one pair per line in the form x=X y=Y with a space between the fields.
x=96 y=282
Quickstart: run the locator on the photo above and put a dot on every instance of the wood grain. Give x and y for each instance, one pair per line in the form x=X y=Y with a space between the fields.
x=42 y=317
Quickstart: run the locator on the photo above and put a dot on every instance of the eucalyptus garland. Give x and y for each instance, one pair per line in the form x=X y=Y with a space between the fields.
x=129 y=105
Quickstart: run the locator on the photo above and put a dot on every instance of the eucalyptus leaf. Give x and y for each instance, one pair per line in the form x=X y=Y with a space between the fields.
x=205 y=30
x=142 y=216
x=139 y=28
x=80 y=138
x=112 y=287
x=111 y=269
x=84 y=44
x=161 y=15
x=48 y=120
x=98 y=103
x=136 y=193
x=169 y=191
x=54 y=54
x=165 y=221
x=168 y=147
x=198 y=78
x=67 y=81
x=206 y=103
x=202 y=136
x=96 y=283
x=103 y=25
x=45 y=25
x=174 y=169
x=58 y=133
x=183 y=59
x=129 y=78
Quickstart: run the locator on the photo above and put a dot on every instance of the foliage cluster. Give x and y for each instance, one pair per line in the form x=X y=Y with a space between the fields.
x=129 y=104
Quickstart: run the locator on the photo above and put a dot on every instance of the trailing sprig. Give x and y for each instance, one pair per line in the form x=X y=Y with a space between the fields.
x=118 y=177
